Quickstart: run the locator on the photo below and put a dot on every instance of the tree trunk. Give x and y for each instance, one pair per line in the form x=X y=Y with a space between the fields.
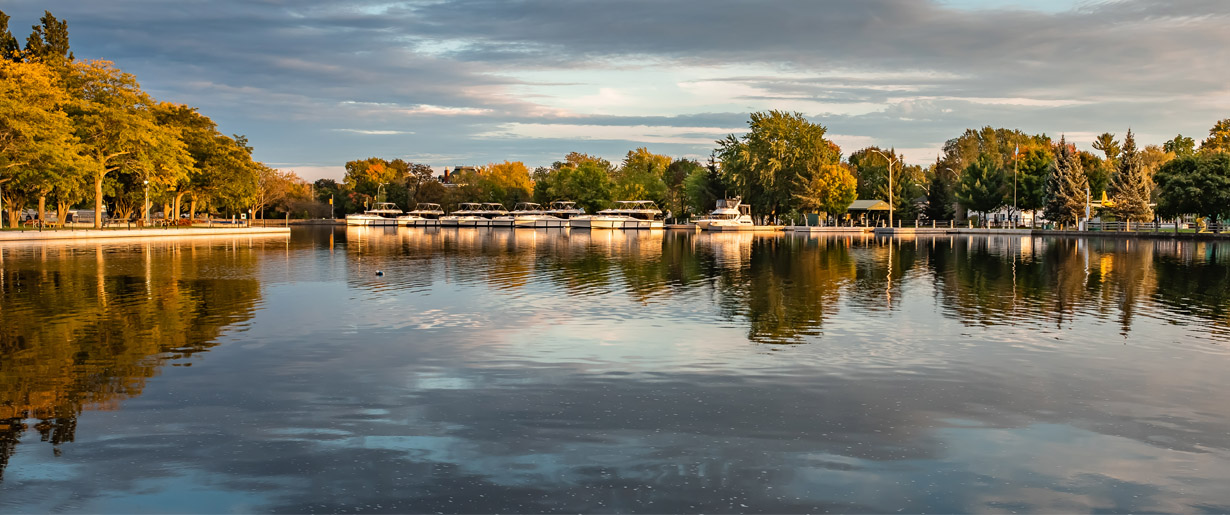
x=98 y=178
x=192 y=208
x=42 y=208
x=61 y=212
x=178 y=199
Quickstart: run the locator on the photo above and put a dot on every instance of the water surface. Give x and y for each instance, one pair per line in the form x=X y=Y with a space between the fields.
x=493 y=370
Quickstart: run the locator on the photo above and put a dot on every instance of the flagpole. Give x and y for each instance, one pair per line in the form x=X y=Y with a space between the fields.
x=1016 y=150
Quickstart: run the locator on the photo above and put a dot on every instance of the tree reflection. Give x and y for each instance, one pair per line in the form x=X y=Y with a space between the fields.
x=87 y=326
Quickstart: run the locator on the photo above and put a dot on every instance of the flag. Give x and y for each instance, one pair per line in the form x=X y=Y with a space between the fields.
x=330 y=200
x=1016 y=150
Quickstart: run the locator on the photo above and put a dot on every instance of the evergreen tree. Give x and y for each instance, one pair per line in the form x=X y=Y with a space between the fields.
x=939 y=199
x=10 y=49
x=982 y=186
x=49 y=40
x=1131 y=185
x=1107 y=144
x=1066 y=187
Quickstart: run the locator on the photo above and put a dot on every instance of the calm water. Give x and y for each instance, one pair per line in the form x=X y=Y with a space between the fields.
x=524 y=371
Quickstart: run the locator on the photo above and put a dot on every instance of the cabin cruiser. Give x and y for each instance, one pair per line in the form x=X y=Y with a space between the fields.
x=466 y=215
x=561 y=213
x=528 y=214
x=424 y=214
x=731 y=215
x=381 y=213
x=629 y=214
x=496 y=215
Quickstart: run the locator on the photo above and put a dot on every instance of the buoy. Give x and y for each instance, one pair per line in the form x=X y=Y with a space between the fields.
x=379 y=273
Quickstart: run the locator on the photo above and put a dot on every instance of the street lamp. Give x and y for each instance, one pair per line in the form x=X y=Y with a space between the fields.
x=891 y=161
x=146 y=216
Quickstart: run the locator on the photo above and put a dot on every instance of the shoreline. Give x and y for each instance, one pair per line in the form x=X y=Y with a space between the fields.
x=104 y=234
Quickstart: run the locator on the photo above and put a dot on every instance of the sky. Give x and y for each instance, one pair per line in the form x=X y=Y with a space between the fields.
x=316 y=83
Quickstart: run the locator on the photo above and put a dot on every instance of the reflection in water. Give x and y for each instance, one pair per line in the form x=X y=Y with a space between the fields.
x=86 y=325
x=540 y=371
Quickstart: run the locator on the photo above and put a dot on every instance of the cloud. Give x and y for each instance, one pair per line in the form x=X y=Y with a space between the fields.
x=444 y=77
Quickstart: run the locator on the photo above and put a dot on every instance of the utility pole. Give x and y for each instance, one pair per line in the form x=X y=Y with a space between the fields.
x=890 y=183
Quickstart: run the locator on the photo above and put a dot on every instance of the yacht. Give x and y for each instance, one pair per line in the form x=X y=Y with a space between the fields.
x=496 y=215
x=528 y=214
x=425 y=214
x=561 y=213
x=629 y=214
x=381 y=213
x=466 y=215
x=731 y=215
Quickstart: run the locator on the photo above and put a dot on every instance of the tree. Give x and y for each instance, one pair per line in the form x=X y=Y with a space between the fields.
x=114 y=123
x=1197 y=184
x=49 y=39
x=1032 y=168
x=871 y=170
x=982 y=186
x=272 y=186
x=506 y=183
x=1131 y=186
x=10 y=49
x=1108 y=145
x=829 y=189
x=1097 y=172
x=1180 y=146
x=1219 y=138
x=37 y=146
x=676 y=175
x=765 y=163
x=641 y=176
x=1066 y=187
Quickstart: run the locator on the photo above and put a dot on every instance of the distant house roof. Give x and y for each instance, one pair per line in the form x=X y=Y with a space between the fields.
x=868 y=205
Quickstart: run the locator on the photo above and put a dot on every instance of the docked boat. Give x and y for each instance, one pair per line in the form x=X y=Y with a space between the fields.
x=731 y=215
x=496 y=215
x=528 y=214
x=561 y=214
x=381 y=213
x=425 y=214
x=629 y=214
x=468 y=214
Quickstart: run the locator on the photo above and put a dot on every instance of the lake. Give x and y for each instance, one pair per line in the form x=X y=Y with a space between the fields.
x=493 y=370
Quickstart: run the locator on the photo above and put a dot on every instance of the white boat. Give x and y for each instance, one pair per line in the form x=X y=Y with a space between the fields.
x=381 y=213
x=731 y=215
x=425 y=214
x=561 y=213
x=467 y=215
x=629 y=214
x=496 y=215
x=528 y=214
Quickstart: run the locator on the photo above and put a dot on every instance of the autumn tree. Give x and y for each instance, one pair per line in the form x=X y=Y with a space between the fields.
x=1131 y=185
x=1219 y=138
x=1109 y=146
x=37 y=144
x=506 y=183
x=829 y=189
x=765 y=164
x=1066 y=187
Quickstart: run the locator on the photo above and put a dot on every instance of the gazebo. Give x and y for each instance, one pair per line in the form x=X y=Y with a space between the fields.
x=868 y=212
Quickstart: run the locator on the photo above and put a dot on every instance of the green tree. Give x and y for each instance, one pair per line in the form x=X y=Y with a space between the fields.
x=982 y=186
x=676 y=175
x=1219 y=138
x=1032 y=169
x=765 y=163
x=1109 y=146
x=10 y=49
x=1197 y=184
x=1131 y=186
x=1066 y=187
x=940 y=199
x=1180 y=146
x=871 y=170
x=703 y=187
x=829 y=189
x=49 y=40
x=641 y=177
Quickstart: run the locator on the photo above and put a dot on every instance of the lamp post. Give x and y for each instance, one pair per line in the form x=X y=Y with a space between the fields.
x=146 y=215
x=891 y=161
